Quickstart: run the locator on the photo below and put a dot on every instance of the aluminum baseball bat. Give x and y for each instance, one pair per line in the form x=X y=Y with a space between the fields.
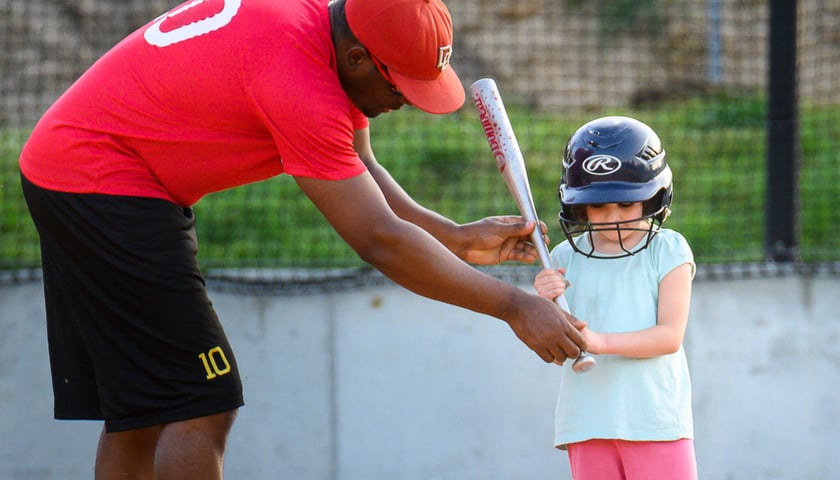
x=511 y=163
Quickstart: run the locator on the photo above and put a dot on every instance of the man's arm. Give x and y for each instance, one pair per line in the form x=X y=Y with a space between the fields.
x=488 y=241
x=358 y=210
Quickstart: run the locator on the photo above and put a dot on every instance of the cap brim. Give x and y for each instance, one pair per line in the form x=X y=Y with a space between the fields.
x=444 y=94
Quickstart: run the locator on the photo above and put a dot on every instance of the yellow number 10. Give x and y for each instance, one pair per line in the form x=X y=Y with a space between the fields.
x=211 y=361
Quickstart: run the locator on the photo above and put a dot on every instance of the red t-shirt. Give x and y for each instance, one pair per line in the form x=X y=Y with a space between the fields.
x=213 y=94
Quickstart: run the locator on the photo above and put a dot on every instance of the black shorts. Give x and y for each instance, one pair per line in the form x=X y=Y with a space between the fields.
x=133 y=337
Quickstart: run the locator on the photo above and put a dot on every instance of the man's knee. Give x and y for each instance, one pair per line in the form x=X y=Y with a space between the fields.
x=213 y=428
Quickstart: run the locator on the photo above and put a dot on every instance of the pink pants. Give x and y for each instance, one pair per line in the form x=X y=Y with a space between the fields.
x=622 y=460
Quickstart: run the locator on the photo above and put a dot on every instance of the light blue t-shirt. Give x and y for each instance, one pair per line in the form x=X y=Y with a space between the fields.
x=623 y=398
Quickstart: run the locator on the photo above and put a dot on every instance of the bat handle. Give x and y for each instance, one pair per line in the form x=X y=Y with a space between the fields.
x=584 y=362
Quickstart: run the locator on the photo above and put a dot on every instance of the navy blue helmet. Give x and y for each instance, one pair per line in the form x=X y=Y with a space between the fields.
x=614 y=160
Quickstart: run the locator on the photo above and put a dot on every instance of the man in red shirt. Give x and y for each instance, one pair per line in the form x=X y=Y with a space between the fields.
x=211 y=95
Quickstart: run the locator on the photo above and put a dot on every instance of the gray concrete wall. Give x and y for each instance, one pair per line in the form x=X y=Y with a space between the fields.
x=379 y=383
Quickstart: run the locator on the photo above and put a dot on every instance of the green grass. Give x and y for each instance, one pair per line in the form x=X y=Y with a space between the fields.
x=716 y=147
x=18 y=239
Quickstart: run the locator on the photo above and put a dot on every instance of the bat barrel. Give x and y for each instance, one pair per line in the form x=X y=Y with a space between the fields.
x=508 y=156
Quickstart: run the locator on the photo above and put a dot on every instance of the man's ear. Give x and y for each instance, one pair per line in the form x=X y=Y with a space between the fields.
x=356 y=59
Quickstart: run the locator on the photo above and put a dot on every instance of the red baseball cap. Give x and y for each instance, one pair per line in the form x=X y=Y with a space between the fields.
x=413 y=39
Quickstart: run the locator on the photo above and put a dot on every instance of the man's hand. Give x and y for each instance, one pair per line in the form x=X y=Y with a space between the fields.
x=494 y=240
x=550 y=332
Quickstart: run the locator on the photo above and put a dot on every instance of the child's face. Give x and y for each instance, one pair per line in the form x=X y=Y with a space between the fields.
x=625 y=214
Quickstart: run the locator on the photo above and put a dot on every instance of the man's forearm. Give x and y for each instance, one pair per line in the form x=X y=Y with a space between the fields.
x=443 y=229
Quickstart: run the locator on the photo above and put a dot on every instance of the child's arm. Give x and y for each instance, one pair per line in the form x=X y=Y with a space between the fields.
x=664 y=338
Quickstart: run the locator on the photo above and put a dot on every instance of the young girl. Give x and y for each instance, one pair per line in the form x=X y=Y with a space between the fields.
x=630 y=417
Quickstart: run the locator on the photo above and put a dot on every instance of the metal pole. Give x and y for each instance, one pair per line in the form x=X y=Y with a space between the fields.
x=782 y=204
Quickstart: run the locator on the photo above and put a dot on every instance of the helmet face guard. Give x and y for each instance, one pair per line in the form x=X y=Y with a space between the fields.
x=579 y=233
x=613 y=160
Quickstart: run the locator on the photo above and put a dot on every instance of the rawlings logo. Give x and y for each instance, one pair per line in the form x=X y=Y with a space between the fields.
x=601 y=164
x=444 y=54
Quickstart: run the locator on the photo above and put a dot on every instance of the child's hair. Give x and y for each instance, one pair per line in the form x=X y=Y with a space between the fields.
x=614 y=160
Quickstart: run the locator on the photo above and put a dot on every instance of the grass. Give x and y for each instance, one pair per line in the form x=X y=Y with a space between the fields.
x=18 y=239
x=716 y=147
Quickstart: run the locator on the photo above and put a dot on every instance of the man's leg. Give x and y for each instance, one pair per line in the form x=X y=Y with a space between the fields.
x=191 y=449
x=128 y=455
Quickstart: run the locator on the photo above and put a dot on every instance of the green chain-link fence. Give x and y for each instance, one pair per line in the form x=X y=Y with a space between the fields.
x=695 y=70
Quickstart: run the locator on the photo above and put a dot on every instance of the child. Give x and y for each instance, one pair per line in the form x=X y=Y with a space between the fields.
x=630 y=417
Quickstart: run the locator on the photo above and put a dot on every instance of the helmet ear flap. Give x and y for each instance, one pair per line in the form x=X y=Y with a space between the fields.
x=569 y=212
x=659 y=204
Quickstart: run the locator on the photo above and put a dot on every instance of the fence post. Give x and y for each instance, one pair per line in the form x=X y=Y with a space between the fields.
x=782 y=196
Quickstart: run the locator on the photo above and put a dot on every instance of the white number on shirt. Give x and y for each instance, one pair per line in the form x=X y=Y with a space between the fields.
x=156 y=37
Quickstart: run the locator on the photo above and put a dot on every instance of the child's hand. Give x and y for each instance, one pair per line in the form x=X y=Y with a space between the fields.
x=551 y=284
x=594 y=341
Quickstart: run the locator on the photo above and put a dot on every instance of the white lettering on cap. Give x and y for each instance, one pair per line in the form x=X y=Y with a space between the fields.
x=444 y=54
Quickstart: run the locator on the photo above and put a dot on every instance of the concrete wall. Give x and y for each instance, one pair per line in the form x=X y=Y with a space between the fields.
x=379 y=383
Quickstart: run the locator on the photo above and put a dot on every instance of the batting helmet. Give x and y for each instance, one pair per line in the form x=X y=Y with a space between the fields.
x=614 y=160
